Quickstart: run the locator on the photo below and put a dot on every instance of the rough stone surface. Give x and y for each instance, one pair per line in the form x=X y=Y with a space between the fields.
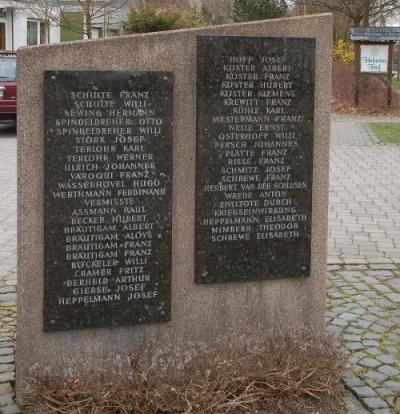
x=197 y=311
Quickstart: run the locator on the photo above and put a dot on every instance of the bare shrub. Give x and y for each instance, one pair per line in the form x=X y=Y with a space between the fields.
x=283 y=373
x=373 y=93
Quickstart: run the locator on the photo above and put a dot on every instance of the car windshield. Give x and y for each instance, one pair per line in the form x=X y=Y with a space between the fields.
x=8 y=69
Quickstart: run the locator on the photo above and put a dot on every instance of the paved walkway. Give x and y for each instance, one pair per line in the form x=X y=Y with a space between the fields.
x=8 y=263
x=364 y=214
x=8 y=201
x=363 y=272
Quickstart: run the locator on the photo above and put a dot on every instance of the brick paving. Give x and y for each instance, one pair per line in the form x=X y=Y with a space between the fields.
x=347 y=132
x=8 y=201
x=363 y=305
x=364 y=214
x=8 y=264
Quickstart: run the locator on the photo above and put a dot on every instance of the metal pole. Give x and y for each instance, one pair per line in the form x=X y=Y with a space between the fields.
x=389 y=75
x=398 y=61
x=357 y=69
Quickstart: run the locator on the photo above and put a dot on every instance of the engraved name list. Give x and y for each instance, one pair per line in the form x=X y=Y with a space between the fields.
x=108 y=164
x=255 y=108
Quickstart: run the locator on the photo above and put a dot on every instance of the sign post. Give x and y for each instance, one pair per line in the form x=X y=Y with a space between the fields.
x=357 y=74
x=374 y=55
x=390 y=74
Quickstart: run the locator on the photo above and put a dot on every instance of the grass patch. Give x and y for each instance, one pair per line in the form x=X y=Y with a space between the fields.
x=397 y=346
x=282 y=373
x=396 y=83
x=361 y=372
x=387 y=132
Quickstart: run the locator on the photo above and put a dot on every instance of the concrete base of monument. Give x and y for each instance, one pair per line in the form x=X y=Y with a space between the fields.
x=199 y=312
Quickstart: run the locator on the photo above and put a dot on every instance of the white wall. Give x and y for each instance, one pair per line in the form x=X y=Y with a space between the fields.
x=8 y=20
x=55 y=31
x=20 y=19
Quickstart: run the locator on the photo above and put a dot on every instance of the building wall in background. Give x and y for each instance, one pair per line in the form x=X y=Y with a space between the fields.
x=16 y=16
x=6 y=19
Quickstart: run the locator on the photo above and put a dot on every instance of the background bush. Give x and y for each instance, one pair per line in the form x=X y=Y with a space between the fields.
x=343 y=52
x=213 y=18
x=150 y=18
x=249 y=10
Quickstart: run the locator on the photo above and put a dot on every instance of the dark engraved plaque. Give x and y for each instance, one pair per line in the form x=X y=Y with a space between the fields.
x=107 y=195
x=255 y=121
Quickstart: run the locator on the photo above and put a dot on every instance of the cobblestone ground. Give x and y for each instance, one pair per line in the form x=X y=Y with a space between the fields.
x=364 y=310
x=8 y=263
x=363 y=305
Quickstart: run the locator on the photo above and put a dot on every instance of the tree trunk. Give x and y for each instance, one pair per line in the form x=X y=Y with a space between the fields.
x=88 y=26
x=47 y=30
x=366 y=10
x=88 y=8
x=398 y=62
x=382 y=20
x=356 y=21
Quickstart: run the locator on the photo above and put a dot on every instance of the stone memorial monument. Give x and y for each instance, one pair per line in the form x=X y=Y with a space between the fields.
x=172 y=187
